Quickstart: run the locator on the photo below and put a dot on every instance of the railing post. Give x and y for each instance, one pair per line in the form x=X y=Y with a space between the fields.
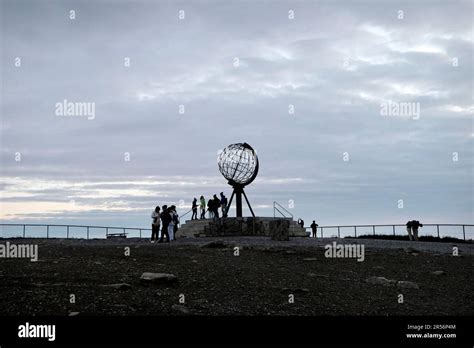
x=87 y=232
x=322 y=234
x=140 y=233
x=373 y=228
x=338 y=232
x=437 y=228
x=355 y=231
x=393 y=229
x=106 y=232
x=124 y=231
x=464 y=232
x=24 y=231
x=47 y=231
x=67 y=233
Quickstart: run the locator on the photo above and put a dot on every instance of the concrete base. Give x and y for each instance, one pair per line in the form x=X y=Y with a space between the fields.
x=232 y=226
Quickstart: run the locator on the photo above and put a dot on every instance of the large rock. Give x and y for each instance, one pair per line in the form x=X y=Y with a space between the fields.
x=438 y=273
x=380 y=281
x=161 y=278
x=118 y=286
x=180 y=308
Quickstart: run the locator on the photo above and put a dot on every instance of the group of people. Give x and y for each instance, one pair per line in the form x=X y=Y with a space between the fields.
x=168 y=219
x=213 y=205
x=165 y=220
x=412 y=229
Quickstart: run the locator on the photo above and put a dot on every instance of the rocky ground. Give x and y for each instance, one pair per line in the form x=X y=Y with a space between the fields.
x=104 y=281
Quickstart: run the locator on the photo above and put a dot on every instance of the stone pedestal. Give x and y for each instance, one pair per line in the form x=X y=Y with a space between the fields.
x=246 y=226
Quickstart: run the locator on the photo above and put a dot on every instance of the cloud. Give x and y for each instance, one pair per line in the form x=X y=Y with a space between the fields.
x=333 y=65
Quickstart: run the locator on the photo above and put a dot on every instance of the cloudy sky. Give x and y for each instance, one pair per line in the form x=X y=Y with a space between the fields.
x=172 y=82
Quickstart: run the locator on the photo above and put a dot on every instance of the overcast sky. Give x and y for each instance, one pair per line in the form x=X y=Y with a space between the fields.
x=205 y=74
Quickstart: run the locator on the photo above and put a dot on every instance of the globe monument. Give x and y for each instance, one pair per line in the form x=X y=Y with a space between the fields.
x=238 y=163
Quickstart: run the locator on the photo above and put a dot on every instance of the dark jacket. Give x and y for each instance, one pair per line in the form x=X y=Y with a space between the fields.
x=165 y=218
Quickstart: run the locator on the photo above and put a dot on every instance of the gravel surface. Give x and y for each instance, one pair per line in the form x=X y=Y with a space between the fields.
x=260 y=281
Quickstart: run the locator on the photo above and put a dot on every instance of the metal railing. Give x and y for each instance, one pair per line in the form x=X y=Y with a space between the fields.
x=276 y=208
x=68 y=227
x=179 y=222
x=320 y=229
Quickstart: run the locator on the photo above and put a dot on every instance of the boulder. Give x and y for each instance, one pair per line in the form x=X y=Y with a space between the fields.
x=438 y=273
x=180 y=308
x=161 y=278
x=380 y=281
x=119 y=286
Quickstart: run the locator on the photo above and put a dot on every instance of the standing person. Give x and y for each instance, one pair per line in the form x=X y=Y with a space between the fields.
x=210 y=208
x=314 y=227
x=171 y=224
x=410 y=235
x=195 y=210
x=223 y=204
x=301 y=223
x=415 y=224
x=175 y=218
x=155 y=225
x=216 y=205
x=203 y=207
x=165 y=221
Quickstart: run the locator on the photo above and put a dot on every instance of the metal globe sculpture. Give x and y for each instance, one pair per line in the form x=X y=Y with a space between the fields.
x=238 y=163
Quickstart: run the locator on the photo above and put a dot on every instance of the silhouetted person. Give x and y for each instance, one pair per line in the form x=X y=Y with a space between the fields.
x=215 y=205
x=155 y=225
x=165 y=221
x=210 y=208
x=410 y=235
x=203 y=207
x=223 y=204
x=314 y=227
x=415 y=224
x=195 y=210
x=173 y=226
x=301 y=223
